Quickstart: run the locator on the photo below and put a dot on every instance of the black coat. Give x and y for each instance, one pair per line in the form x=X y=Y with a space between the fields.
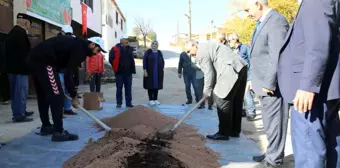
x=61 y=52
x=17 y=46
x=148 y=65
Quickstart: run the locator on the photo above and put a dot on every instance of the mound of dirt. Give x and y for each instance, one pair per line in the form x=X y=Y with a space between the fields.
x=129 y=145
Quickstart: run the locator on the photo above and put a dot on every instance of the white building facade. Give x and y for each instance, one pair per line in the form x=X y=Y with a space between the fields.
x=113 y=24
x=94 y=12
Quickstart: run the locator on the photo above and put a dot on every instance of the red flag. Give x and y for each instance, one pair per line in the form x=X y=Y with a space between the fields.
x=84 y=18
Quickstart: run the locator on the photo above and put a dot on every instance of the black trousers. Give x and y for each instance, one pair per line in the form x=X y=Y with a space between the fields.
x=95 y=83
x=229 y=109
x=153 y=94
x=76 y=77
x=50 y=95
x=4 y=88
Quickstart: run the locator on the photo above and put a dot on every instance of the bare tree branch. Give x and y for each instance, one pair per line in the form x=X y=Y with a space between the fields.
x=144 y=27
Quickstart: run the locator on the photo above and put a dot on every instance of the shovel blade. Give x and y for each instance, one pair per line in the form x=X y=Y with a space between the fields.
x=166 y=132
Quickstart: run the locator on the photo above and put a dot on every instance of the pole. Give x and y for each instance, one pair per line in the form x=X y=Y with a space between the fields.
x=177 y=38
x=189 y=19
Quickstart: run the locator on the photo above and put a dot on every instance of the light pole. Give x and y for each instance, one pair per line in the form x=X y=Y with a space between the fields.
x=189 y=19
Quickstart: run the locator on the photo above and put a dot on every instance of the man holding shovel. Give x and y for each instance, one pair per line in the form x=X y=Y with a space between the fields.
x=226 y=72
x=46 y=60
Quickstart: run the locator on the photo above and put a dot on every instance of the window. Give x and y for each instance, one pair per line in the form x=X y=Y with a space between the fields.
x=89 y=3
x=117 y=18
x=109 y=20
x=115 y=34
x=121 y=24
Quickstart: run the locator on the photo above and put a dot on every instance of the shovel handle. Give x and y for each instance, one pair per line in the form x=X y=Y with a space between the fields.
x=104 y=126
x=188 y=114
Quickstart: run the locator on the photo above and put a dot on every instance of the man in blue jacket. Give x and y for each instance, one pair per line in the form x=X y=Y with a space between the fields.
x=123 y=64
x=244 y=51
x=189 y=75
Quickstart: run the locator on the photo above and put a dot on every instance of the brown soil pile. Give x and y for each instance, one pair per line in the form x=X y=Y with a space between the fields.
x=129 y=145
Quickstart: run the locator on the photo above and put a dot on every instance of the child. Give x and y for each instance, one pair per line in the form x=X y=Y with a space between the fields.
x=95 y=69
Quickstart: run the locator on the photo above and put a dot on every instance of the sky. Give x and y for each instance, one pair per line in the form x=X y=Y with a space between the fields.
x=165 y=14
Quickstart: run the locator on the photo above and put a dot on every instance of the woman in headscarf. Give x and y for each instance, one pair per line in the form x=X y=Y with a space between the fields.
x=153 y=65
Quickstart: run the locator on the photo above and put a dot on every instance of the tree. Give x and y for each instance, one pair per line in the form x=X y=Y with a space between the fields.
x=144 y=28
x=244 y=27
x=152 y=35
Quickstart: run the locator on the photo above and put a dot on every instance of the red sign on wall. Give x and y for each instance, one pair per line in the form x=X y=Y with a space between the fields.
x=84 y=18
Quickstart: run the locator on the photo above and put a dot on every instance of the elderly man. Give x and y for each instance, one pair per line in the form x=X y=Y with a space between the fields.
x=17 y=46
x=309 y=79
x=244 y=51
x=189 y=74
x=226 y=72
x=268 y=37
x=123 y=64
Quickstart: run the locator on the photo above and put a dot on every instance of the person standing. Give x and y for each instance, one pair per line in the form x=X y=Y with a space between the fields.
x=267 y=39
x=123 y=64
x=309 y=79
x=218 y=61
x=244 y=51
x=17 y=46
x=45 y=60
x=189 y=75
x=68 y=31
x=153 y=66
x=199 y=81
x=4 y=83
x=95 y=70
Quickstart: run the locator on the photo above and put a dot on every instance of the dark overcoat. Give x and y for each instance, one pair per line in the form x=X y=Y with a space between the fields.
x=155 y=75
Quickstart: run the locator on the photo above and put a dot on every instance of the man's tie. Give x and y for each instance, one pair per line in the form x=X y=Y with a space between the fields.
x=255 y=30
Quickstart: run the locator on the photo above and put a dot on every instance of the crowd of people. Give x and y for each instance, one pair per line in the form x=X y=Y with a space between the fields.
x=291 y=68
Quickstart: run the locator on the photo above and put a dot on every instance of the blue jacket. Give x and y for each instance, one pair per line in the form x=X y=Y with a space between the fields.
x=244 y=52
x=185 y=64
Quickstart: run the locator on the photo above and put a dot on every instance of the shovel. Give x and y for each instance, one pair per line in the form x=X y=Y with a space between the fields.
x=167 y=132
x=104 y=126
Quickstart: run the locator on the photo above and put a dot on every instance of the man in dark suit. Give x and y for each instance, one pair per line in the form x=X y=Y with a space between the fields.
x=267 y=41
x=309 y=79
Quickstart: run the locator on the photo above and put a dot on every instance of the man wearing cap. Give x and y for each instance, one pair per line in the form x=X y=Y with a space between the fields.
x=17 y=46
x=68 y=31
x=123 y=64
x=45 y=61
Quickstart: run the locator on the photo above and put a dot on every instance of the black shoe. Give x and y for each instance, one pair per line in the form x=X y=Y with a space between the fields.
x=22 y=119
x=201 y=107
x=46 y=130
x=64 y=136
x=244 y=114
x=235 y=135
x=251 y=117
x=210 y=107
x=188 y=102
x=259 y=158
x=69 y=112
x=30 y=113
x=129 y=105
x=218 y=136
x=265 y=164
x=118 y=106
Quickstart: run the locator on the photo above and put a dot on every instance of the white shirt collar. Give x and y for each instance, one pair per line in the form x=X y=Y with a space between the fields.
x=265 y=15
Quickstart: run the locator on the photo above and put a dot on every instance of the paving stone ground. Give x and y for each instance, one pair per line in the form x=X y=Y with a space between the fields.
x=172 y=94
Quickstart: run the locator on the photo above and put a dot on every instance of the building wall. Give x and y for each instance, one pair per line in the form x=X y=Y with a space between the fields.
x=111 y=30
x=92 y=23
